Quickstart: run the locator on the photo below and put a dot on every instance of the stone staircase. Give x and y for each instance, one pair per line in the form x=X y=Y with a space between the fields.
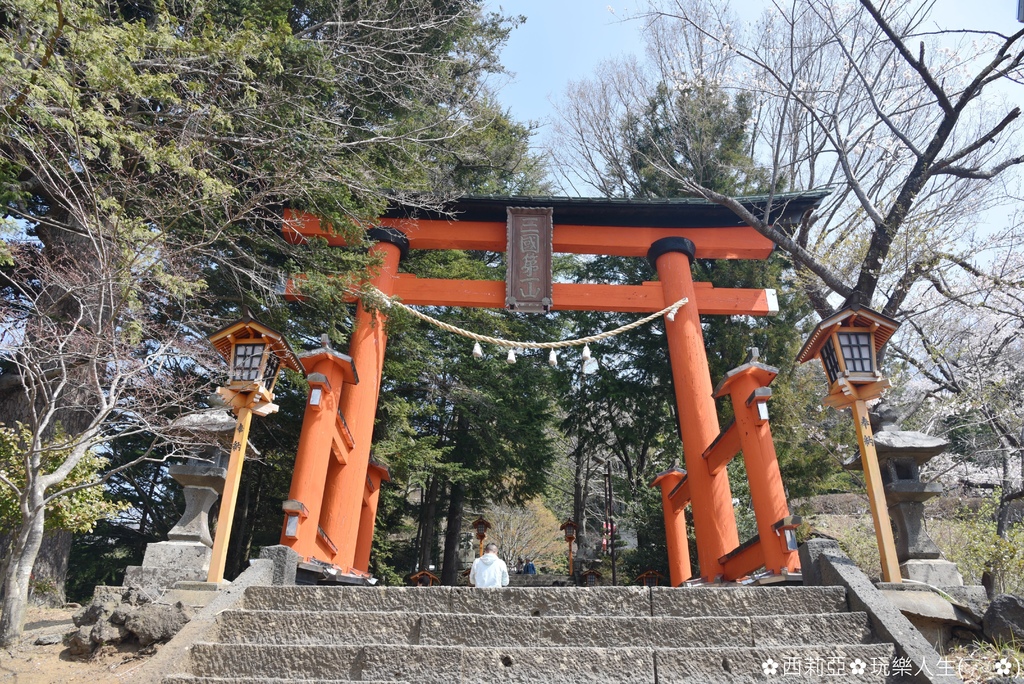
x=540 y=581
x=606 y=634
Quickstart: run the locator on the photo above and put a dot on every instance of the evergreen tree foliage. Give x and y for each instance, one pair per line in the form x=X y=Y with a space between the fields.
x=148 y=148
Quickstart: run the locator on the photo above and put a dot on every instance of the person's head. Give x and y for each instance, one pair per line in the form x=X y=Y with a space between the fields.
x=491 y=548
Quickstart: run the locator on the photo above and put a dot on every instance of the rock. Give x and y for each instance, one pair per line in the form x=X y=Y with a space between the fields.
x=78 y=641
x=1004 y=620
x=152 y=623
x=135 y=597
x=93 y=613
x=120 y=614
x=104 y=632
x=48 y=640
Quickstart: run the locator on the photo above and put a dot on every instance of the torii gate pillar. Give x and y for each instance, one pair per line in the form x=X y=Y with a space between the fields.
x=714 y=521
x=330 y=481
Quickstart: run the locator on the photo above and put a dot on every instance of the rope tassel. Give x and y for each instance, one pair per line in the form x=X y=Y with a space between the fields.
x=586 y=352
x=478 y=352
x=511 y=358
x=553 y=359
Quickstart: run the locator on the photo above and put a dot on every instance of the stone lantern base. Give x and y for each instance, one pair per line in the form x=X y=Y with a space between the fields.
x=934 y=571
x=169 y=562
x=186 y=556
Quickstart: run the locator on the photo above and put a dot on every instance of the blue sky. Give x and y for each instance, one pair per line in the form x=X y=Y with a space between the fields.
x=563 y=40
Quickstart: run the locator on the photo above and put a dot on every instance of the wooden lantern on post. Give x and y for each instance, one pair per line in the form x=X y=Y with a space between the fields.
x=569 y=527
x=847 y=344
x=255 y=354
x=481 y=526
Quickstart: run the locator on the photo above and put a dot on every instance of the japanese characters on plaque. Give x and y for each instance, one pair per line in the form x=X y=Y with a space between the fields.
x=528 y=259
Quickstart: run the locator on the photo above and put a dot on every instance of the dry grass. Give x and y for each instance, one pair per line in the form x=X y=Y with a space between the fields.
x=978 y=662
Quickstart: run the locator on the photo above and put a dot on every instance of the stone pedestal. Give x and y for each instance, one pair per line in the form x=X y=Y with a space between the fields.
x=185 y=557
x=901 y=453
x=934 y=571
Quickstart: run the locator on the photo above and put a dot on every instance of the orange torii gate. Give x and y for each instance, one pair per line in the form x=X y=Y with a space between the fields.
x=332 y=504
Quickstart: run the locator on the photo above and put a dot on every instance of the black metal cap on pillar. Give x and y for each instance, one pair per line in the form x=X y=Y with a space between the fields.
x=671 y=244
x=393 y=236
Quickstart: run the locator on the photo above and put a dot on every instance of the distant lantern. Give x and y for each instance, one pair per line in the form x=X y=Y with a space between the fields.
x=569 y=527
x=481 y=527
x=424 y=578
x=651 y=578
x=847 y=344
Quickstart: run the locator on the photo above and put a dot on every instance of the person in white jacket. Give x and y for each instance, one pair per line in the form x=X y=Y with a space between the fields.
x=488 y=570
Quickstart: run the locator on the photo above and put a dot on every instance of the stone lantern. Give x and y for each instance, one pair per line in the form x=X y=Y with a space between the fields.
x=901 y=453
x=185 y=556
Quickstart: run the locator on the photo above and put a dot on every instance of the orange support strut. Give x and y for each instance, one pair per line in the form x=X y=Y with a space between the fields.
x=327 y=372
x=747 y=387
x=673 y=504
x=375 y=474
x=714 y=522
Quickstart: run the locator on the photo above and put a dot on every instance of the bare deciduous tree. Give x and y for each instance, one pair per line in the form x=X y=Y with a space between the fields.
x=88 y=345
x=904 y=123
x=528 y=531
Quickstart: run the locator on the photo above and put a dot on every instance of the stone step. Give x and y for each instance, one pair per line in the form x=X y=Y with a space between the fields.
x=746 y=601
x=189 y=679
x=563 y=665
x=834 y=662
x=537 y=602
x=440 y=629
x=540 y=581
x=195 y=594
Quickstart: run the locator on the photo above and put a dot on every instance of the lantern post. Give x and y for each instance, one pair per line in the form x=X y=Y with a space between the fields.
x=847 y=344
x=255 y=353
x=481 y=527
x=569 y=527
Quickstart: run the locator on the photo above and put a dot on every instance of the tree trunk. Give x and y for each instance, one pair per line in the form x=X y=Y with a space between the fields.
x=50 y=571
x=428 y=535
x=19 y=576
x=453 y=536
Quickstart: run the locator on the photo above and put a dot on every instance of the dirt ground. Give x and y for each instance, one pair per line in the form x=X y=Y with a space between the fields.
x=31 y=664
